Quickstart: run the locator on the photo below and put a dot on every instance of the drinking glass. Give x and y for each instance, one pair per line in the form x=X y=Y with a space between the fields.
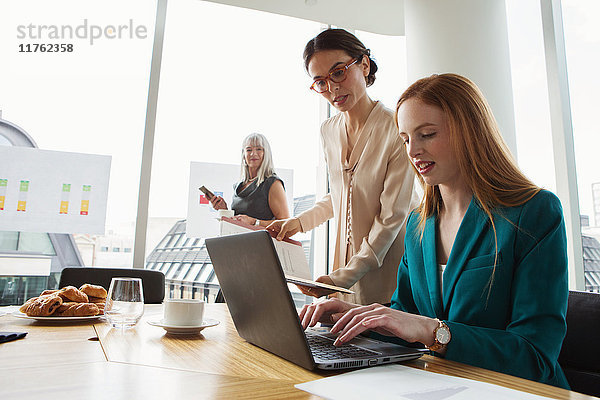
x=125 y=302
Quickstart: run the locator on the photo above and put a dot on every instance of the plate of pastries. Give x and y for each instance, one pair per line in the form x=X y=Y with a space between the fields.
x=67 y=304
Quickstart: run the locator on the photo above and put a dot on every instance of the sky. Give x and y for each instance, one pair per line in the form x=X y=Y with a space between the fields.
x=228 y=72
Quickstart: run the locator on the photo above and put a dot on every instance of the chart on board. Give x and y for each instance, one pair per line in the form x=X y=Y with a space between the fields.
x=53 y=191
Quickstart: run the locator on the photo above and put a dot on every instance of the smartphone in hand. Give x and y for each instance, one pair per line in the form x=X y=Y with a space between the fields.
x=209 y=195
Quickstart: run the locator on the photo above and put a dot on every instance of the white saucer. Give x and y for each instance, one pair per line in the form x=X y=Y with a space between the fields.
x=185 y=330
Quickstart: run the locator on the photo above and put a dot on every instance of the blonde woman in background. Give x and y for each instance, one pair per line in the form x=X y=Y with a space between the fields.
x=259 y=197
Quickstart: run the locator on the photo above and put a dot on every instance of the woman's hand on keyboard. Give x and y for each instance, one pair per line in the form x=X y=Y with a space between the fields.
x=328 y=312
x=386 y=321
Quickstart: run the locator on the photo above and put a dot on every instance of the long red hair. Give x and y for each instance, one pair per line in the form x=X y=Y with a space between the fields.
x=484 y=160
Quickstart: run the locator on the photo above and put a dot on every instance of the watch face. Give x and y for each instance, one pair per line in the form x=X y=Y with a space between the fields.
x=442 y=335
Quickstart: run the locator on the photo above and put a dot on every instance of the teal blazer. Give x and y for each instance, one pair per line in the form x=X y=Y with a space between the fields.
x=510 y=318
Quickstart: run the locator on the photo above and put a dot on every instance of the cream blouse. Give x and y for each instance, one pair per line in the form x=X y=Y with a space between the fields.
x=371 y=194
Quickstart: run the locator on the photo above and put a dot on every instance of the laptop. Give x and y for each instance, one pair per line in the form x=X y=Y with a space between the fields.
x=263 y=311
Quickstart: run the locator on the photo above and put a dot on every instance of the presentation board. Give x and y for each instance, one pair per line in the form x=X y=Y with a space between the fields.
x=52 y=191
x=220 y=179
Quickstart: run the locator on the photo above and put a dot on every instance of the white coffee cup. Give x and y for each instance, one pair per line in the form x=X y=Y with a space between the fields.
x=183 y=312
x=225 y=213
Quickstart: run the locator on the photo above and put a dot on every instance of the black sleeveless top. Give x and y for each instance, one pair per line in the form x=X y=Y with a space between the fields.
x=253 y=201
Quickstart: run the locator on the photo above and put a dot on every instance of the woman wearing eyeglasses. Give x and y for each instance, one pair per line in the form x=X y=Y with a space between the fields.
x=371 y=182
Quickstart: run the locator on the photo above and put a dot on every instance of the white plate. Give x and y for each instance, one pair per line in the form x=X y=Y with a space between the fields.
x=19 y=314
x=185 y=330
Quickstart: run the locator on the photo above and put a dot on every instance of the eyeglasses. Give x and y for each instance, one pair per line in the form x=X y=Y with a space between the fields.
x=337 y=75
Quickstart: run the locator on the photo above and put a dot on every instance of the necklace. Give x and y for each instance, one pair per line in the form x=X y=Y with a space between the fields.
x=248 y=183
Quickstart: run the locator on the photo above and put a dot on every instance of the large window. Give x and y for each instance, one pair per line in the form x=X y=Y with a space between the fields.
x=582 y=42
x=390 y=54
x=228 y=72
x=89 y=100
x=532 y=114
x=530 y=93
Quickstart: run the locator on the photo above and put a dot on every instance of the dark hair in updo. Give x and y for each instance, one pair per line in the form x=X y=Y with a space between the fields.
x=339 y=39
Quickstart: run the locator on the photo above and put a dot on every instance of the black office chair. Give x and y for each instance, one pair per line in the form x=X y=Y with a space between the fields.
x=153 y=282
x=580 y=353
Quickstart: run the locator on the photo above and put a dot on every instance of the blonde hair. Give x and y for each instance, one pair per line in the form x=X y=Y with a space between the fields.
x=484 y=160
x=266 y=168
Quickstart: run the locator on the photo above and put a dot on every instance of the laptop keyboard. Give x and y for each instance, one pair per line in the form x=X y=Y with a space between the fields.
x=323 y=348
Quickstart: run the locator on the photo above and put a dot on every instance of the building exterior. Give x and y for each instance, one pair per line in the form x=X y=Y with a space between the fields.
x=110 y=250
x=115 y=247
x=591 y=263
x=596 y=202
x=186 y=265
x=20 y=249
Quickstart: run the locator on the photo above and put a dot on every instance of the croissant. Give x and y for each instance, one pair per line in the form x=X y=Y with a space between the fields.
x=72 y=309
x=69 y=301
x=71 y=293
x=96 y=300
x=42 y=306
x=93 y=291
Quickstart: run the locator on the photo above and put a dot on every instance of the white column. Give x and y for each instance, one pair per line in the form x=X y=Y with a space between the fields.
x=562 y=136
x=466 y=37
x=141 y=224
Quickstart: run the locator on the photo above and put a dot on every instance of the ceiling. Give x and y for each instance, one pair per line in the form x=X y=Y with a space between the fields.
x=384 y=17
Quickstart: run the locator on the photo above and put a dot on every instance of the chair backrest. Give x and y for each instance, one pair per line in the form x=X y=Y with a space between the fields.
x=220 y=298
x=153 y=282
x=580 y=353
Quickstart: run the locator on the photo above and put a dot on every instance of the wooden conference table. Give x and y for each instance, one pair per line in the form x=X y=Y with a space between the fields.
x=91 y=360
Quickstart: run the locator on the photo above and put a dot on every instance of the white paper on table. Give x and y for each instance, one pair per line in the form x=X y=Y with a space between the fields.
x=405 y=383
